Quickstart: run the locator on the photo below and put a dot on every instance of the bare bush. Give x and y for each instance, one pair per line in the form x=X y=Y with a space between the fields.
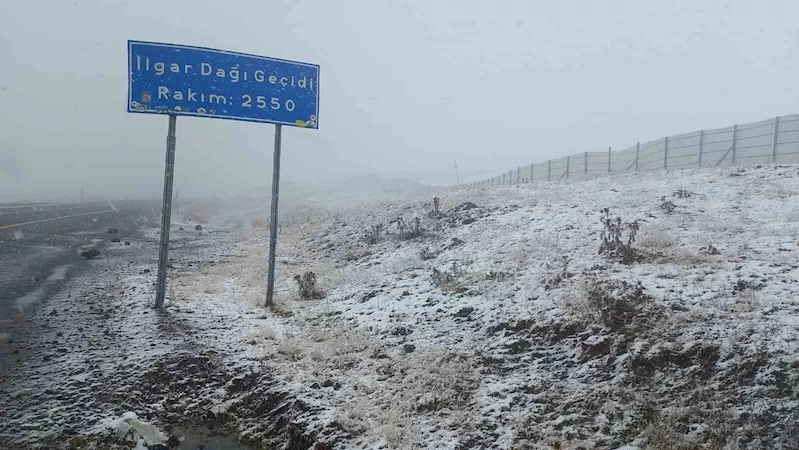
x=436 y=212
x=683 y=193
x=667 y=206
x=446 y=278
x=426 y=254
x=409 y=231
x=613 y=243
x=561 y=274
x=258 y=222
x=308 y=289
x=373 y=235
x=616 y=304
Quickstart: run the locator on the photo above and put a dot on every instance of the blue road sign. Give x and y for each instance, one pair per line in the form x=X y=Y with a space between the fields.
x=203 y=82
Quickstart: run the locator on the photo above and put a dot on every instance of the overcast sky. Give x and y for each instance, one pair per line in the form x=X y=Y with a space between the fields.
x=407 y=86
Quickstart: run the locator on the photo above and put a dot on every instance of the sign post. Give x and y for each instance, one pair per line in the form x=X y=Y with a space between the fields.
x=181 y=80
x=166 y=212
x=270 y=277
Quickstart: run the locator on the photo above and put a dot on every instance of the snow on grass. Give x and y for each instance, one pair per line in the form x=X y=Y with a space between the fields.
x=512 y=331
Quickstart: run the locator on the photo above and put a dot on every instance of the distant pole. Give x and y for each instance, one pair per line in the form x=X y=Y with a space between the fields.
x=518 y=175
x=166 y=213
x=701 y=146
x=568 y=164
x=774 y=140
x=81 y=193
x=457 y=178
x=637 y=154
x=270 y=280
x=585 y=164
x=666 y=154
x=734 y=142
x=532 y=171
x=608 y=160
x=549 y=170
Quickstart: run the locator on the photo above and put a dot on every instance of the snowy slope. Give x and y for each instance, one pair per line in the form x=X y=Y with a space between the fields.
x=537 y=340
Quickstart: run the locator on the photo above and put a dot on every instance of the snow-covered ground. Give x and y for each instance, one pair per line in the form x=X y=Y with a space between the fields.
x=501 y=326
x=533 y=339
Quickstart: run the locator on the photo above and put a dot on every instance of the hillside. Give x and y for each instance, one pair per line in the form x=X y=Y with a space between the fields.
x=502 y=326
x=502 y=322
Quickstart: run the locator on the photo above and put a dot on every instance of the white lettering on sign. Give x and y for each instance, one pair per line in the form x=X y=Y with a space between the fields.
x=234 y=73
x=192 y=96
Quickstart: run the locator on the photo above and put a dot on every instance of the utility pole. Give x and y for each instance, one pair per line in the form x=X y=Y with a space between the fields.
x=81 y=193
x=457 y=178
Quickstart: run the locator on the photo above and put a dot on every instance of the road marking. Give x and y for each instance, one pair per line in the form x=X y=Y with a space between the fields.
x=4 y=227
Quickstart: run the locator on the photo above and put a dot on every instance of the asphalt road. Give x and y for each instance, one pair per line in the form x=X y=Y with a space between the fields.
x=40 y=246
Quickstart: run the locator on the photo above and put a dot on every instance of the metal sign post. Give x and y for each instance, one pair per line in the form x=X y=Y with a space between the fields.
x=166 y=212
x=270 y=278
x=183 y=80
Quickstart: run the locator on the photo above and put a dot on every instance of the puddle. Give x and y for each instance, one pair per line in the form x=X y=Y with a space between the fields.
x=28 y=299
x=59 y=273
x=205 y=439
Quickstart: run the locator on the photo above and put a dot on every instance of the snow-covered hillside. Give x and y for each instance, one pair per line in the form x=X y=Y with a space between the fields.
x=502 y=326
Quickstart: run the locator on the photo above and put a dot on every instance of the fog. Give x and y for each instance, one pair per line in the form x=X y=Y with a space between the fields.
x=407 y=87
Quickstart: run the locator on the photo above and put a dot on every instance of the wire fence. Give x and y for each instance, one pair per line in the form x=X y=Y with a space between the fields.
x=768 y=141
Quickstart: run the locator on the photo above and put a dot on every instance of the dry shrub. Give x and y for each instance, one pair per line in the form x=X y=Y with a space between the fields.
x=617 y=304
x=446 y=278
x=560 y=274
x=408 y=231
x=426 y=254
x=308 y=289
x=373 y=235
x=258 y=222
x=613 y=242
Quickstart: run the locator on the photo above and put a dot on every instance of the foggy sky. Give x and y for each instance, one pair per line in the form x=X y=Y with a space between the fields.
x=406 y=87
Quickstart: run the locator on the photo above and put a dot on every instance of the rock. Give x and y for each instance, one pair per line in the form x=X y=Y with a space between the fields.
x=181 y=228
x=115 y=239
x=198 y=227
x=113 y=231
x=158 y=447
x=327 y=383
x=336 y=385
x=91 y=253
x=77 y=442
x=127 y=242
x=173 y=441
x=146 y=271
x=401 y=331
x=464 y=312
x=315 y=386
x=409 y=348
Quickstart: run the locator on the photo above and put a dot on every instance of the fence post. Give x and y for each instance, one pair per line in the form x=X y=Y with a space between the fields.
x=637 y=154
x=774 y=141
x=549 y=170
x=568 y=163
x=585 y=163
x=608 y=160
x=701 y=146
x=518 y=174
x=666 y=155
x=734 y=139
x=532 y=171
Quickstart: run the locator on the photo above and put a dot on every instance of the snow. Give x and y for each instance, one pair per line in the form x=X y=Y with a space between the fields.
x=532 y=340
